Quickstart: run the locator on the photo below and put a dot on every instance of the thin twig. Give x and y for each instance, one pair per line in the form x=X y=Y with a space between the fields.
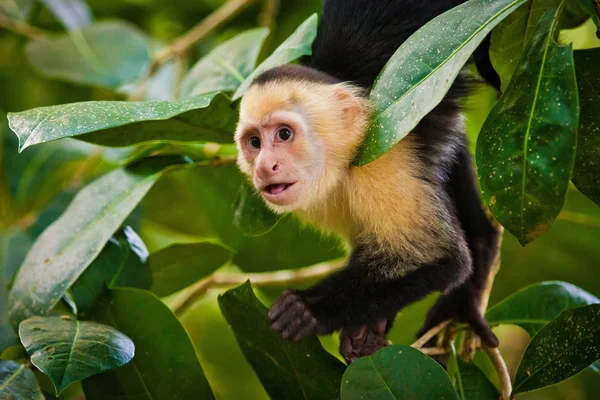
x=434 y=351
x=224 y=279
x=22 y=29
x=200 y=31
x=502 y=370
x=429 y=334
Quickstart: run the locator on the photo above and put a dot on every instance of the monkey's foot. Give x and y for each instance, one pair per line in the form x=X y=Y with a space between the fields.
x=292 y=319
x=363 y=341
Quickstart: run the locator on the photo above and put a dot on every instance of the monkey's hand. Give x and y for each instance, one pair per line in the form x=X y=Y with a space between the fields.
x=362 y=341
x=292 y=319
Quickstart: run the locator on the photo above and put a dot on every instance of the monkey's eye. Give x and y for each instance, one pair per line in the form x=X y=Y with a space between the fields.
x=284 y=134
x=254 y=142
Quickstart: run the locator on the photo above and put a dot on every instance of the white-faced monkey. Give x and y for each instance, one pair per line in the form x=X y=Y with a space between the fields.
x=413 y=217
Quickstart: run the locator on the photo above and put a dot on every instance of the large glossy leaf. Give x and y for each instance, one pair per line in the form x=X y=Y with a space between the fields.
x=118 y=123
x=396 y=372
x=73 y=14
x=17 y=382
x=252 y=215
x=122 y=263
x=526 y=148
x=534 y=306
x=115 y=53
x=563 y=348
x=297 y=45
x=165 y=365
x=226 y=67
x=63 y=251
x=179 y=265
x=286 y=369
x=422 y=70
x=586 y=174
x=68 y=350
x=472 y=384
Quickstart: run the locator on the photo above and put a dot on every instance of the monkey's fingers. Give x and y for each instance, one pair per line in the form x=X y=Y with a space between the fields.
x=286 y=299
x=483 y=330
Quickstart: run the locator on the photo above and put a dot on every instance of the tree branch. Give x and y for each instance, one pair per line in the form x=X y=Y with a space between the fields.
x=429 y=334
x=22 y=29
x=502 y=370
x=200 y=31
x=225 y=279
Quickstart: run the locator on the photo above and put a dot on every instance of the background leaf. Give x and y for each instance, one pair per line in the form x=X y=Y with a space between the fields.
x=396 y=372
x=17 y=382
x=226 y=67
x=422 y=70
x=73 y=14
x=297 y=45
x=286 y=369
x=67 y=350
x=473 y=384
x=527 y=145
x=252 y=215
x=563 y=348
x=163 y=349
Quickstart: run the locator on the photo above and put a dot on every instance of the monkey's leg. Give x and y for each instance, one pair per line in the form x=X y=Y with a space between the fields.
x=465 y=302
x=363 y=341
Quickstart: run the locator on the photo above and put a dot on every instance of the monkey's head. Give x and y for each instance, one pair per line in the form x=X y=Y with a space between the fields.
x=299 y=130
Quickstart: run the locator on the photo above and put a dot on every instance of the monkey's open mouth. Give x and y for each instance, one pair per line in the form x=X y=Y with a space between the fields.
x=277 y=188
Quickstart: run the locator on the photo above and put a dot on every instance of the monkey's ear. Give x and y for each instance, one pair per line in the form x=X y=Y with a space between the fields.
x=350 y=104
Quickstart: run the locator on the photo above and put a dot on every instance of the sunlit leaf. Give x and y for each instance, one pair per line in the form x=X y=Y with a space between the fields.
x=118 y=123
x=286 y=369
x=586 y=174
x=115 y=53
x=396 y=372
x=526 y=148
x=179 y=265
x=68 y=350
x=17 y=382
x=252 y=215
x=226 y=67
x=422 y=70
x=73 y=14
x=297 y=45
x=165 y=365
x=563 y=348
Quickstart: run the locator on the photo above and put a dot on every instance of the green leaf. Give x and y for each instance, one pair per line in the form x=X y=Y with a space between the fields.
x=526 y=148
x=226 y=67
x=590 y=9
x=297 y=45
x=422 y=70
x=115 y=53
x=64 y=250
x=252 y=215
x=165 y=365
x=123 y=262
x=473 y=384
x=16 y=353
x=72 y=14
x=16 y=9
x=286 y=369
x=118 y=123
x=586 y=174
x=396 y=372
x=68 y=351
x=560 y=350
x=534 y=306
x=17 y=382
x=179 y=265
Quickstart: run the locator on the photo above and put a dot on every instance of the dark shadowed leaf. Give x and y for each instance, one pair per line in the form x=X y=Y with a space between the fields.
x=179 y=265
x=586 y=174
x=297 y=45
x=118 y=123
x=115 y=53
x=286 y=369
x=534 y=306
x=563 y=348
x=72 y=14
x=165 y=365
x=226 y=67
x=590 y=9
x=17 y=382
x=396 y=372
x=122 y=263
x=422 y=70
x=68 y=350
x=252 y=215
x=526 y=148
x=63 y=251
x=472 y=384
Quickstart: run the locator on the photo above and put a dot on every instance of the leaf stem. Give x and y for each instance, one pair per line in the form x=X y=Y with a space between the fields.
x=23 y=29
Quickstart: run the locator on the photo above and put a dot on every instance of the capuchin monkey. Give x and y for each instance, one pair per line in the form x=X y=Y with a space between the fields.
x=413 y=217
